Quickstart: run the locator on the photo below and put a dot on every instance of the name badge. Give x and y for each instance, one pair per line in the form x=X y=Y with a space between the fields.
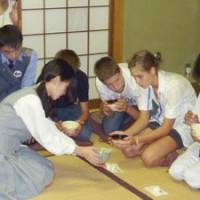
x=17 y=74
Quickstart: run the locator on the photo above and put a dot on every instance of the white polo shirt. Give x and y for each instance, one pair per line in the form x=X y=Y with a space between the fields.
x=175 y=97
x=132 y=92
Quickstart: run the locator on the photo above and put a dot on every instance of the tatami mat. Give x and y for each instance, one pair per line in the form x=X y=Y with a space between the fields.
x=136 y=174
x=77 y=180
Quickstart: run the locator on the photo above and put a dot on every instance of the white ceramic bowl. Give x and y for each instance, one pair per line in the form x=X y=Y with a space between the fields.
x=70 y=125
x=196 y=129
x=113 y=107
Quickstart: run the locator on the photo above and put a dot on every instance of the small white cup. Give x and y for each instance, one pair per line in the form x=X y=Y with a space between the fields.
x=113 y=107
x=104 y=154
x=70 y=125
x=196 y=129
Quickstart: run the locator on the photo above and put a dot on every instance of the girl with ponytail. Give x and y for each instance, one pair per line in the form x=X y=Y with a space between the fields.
x=160 y=129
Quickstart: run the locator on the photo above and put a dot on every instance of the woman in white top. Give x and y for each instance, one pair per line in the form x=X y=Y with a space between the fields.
x=8 y=12
x=187 y=166
x=27 y=113
x=160 y=128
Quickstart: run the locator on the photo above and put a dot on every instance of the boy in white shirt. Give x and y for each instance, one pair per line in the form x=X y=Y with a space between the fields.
x=8 y=12
x=115 y=83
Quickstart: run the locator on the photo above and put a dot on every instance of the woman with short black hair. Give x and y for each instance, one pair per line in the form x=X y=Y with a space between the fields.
x=27 y=113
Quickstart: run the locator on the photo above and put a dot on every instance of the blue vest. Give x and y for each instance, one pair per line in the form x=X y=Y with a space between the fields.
x=10 y=79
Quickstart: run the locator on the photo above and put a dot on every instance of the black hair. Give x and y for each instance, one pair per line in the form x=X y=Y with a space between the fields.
x=196 y=69
x=10 y=36
x=53 y=68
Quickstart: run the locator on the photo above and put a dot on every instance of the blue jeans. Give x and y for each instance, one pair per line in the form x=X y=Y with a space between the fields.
x=72 y=112
x=114 y=122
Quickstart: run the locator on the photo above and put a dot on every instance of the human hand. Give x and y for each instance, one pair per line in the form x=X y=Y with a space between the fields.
x=90 y=154
x=59 y=125
x=121 y=105
x=120 y=143
x=106 y=109
x=14 y=14
x=191 y=118
x=68 y=132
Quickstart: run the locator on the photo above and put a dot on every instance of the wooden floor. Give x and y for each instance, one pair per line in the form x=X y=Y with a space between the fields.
x=77 y=180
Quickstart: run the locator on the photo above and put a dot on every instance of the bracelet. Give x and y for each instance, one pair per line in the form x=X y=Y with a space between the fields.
x=137 y=140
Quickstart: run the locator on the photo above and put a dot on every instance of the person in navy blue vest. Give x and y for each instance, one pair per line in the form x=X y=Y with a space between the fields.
x=74 y=105
x=17 y=64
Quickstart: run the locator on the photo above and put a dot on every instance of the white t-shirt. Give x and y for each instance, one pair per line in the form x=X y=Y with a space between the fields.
x=196 y=108
x=175 y=97
x=43 y=129
x=132 y=92
x=5 y=17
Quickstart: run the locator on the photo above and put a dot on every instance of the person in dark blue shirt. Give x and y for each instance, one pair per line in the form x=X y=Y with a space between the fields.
x=74 y=105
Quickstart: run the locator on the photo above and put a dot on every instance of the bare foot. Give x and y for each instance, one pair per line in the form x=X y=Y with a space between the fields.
x=132 y=151
x=169 y=159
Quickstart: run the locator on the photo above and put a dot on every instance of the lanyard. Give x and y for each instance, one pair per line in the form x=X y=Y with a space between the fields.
x=159 y=105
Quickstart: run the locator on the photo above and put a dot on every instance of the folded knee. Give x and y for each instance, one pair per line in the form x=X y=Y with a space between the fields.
x=149 y=159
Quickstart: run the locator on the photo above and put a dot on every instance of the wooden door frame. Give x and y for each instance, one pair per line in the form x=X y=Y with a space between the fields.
x=115 y=38
x=116 y=25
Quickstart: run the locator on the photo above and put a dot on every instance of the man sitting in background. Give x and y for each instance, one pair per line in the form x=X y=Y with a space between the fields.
x=74 y=105
x=17 y=64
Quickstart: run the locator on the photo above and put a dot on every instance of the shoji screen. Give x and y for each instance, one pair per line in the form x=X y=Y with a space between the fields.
x=81 y=25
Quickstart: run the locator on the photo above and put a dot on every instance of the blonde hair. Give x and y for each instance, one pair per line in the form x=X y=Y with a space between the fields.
x=105 y=68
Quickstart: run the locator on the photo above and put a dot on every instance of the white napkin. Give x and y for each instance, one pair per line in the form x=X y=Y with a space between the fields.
x=155 y=190
x=114 y=168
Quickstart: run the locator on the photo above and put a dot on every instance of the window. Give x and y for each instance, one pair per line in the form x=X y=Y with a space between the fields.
x=82 y=25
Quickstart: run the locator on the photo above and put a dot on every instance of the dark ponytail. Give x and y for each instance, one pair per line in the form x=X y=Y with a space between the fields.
x=53 y=68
